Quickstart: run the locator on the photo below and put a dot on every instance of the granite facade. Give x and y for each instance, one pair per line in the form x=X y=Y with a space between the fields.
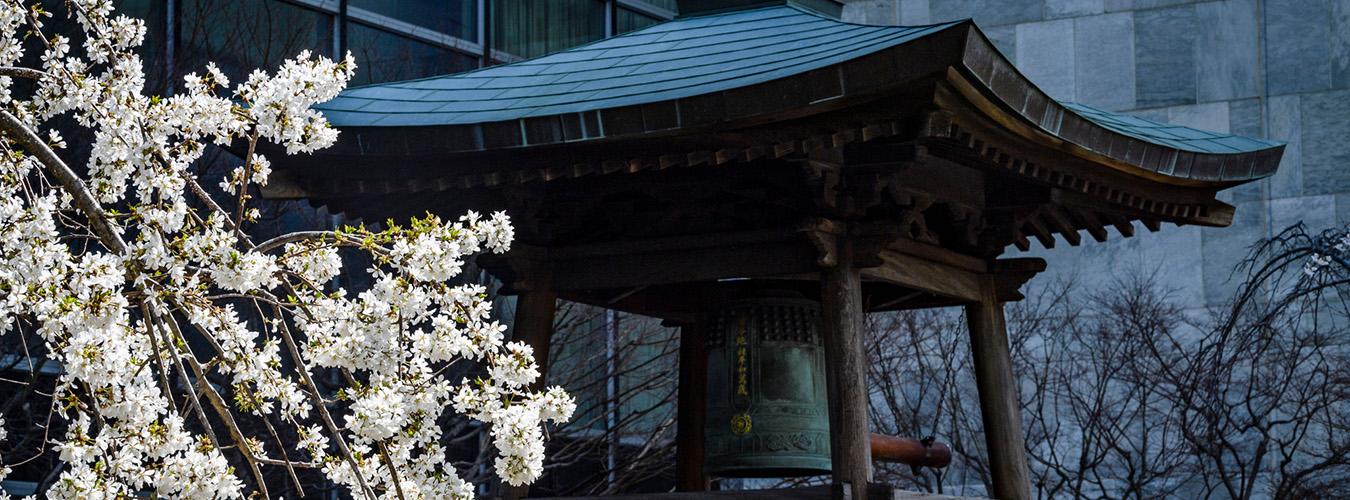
x=1278 y=69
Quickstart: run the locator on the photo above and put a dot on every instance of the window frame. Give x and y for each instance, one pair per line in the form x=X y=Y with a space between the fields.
x=341 y=14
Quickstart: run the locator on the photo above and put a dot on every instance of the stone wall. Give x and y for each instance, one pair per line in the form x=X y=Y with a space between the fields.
x=1268 y=68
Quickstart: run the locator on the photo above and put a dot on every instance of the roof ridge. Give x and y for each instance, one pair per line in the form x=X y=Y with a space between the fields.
x=583 y=46
x=636 y=65
x=620 y=96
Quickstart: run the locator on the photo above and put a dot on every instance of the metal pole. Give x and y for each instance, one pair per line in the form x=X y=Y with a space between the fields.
x=611 y=391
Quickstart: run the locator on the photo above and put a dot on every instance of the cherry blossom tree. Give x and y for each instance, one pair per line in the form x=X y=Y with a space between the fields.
x=172 y=325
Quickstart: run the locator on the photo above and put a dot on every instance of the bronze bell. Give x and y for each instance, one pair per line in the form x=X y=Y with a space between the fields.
x=767 y=407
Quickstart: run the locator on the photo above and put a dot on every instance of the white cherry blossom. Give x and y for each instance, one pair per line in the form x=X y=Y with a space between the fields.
x=166 y=317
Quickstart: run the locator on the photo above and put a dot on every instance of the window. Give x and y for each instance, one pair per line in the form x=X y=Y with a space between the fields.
x=152 y=51
x=531 y=28
x=457 y=18
x=240 y=35
x=663 y=4
x=630 y=20
x=382 y=56
x=392 y=40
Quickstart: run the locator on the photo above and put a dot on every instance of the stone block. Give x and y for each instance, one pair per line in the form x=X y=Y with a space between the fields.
x=1073 y=8
x=1325 y=129
x=1005 y=39
x=1298 y=50
x=1155 y=114
x=1284 y=122
x=1164 y=56
x=1315 y=212
x=1212 y=116
x=1340 y=44
x=1342 y=210
x=874 y=12
x=1103 y=62
x=914 y=12
x=1244 y=117
x=1120 y=5
x=1227 y=50
x=1175 y=257
x=986 y=12
x=1225 y=247
x=1045 y=55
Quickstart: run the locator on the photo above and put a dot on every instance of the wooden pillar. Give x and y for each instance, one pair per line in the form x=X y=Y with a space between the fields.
x=533 y=325
x=999 y=407
x=691 y=414
x=846 y=370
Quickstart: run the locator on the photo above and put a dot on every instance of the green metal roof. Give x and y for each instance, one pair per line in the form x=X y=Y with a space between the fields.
x=693 y=71
x=680 y=58
x=1175 y=136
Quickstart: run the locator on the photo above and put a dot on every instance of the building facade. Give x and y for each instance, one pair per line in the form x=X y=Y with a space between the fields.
x=1277 y=69
x=392 y=40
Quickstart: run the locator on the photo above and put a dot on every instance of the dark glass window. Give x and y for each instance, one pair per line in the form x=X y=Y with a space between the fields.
x=382 y=56
x=152 y=51
x=453 y=17
x=664 y=4
x=629 y=20
x=241 y=35
x=532 y=28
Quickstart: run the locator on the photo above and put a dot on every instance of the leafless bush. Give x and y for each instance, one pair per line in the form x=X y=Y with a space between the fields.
x=1126 y=395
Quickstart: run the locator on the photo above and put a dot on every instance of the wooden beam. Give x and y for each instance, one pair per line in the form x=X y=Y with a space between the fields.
x=999 y=406
x=281 y=185
x=948 y=274
x=1089 y=221
x=926 y=275
x=1153 y=225
x=843 y=326
x=629 y=264
x=691 y=414
x=939 y=254
x=1010 y=274
x=1062 y=225
x=533 y=325
x=1042 y=234
x=1121 y=223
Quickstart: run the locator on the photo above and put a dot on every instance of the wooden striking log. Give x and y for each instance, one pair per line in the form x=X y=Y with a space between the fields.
x=846 y=371
x=999 y=406
x=691 y=410
x=912 y=452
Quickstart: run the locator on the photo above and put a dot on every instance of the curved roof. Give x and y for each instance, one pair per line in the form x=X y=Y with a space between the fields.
x=681 y=58
x=691 y=58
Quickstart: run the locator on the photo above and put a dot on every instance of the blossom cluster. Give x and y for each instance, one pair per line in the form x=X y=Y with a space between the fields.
x=118 y=267
x=1329 y=248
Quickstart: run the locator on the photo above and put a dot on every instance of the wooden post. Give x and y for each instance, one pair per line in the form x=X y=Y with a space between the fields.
x=691 y=411
x=846 y=371
x=533 y=325
x=999 y=407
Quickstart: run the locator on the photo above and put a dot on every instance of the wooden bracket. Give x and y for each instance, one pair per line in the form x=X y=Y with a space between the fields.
x=824 y=234
x=824 y=176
